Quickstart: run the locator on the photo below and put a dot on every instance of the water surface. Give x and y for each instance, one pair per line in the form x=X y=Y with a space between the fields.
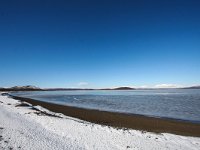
x=181 y=104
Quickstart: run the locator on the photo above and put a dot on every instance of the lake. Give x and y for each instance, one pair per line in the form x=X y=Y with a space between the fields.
x=183 y=104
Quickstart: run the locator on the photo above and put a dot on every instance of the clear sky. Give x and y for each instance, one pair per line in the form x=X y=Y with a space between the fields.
x=99 y=43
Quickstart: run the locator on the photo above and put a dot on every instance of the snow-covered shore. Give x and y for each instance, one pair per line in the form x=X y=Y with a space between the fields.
x=28 y=127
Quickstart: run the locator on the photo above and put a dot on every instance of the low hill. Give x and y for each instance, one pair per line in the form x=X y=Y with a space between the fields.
x=192 y=87
x=124 y=88
x=21 y=88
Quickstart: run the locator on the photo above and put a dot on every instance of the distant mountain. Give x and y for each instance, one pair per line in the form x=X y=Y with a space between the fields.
x=21 y=88
x=26 y=87
x=124 y=88
x=193 y=87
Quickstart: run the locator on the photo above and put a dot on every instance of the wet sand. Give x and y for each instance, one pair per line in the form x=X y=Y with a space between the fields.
x=139 y=122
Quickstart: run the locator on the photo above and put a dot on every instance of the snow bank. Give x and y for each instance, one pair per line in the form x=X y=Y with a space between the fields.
x=28 y=127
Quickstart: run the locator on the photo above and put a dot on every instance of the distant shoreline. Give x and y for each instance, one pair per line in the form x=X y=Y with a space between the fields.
x=33 y=88
x=139 y=122
x=121 y=88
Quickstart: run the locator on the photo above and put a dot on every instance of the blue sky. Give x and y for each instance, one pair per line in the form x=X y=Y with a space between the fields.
x=103 y=43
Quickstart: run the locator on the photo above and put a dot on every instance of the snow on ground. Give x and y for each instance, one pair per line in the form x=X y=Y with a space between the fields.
x=27 y=127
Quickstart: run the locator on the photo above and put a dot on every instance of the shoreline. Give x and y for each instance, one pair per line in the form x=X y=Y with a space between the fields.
x=24 y=126
x=121 y=120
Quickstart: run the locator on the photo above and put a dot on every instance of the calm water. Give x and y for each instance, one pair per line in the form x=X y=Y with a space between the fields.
x=172 y=103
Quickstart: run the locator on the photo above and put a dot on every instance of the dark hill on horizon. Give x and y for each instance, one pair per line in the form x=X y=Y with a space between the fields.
x=124 y=88
x=22 y=88
x=192 y=87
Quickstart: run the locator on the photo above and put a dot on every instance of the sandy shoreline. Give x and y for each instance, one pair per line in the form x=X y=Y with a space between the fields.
x=139 y=122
